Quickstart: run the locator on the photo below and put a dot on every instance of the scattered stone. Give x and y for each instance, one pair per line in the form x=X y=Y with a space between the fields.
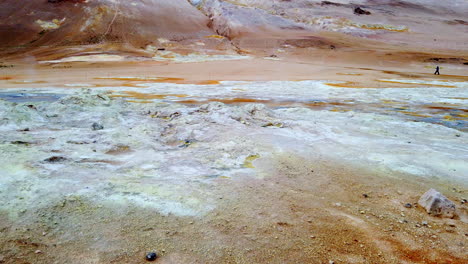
x=55 y=159
x=359 y=11
x=451 y=223
x=186 y=143
x=424 y=223
x=152 y=256
x=97 y=126
x=38 y=252
x=331 y=262
x=330 y=3
x=449 y=230
x=408 y=205
x=365 y=195
x=437 y=204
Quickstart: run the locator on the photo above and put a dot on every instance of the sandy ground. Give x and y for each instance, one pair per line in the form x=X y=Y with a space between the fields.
x=320 y=171
x=255 y=69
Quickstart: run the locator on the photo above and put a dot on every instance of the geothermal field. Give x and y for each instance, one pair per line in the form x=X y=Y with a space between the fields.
x=233 y=131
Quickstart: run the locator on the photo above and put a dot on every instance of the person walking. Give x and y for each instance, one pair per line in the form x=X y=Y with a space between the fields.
x=437 y=71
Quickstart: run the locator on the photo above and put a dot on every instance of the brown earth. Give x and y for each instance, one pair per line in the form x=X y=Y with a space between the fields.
x=305 y=211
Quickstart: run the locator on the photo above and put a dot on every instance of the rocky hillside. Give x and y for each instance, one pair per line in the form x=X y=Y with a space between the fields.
x=422 y=23
x=400 y=22
x=77 y=22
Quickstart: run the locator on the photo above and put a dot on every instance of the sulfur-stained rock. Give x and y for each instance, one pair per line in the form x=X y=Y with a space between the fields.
x=437 y=204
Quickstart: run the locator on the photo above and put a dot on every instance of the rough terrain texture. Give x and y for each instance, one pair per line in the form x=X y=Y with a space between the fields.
x=232 y=131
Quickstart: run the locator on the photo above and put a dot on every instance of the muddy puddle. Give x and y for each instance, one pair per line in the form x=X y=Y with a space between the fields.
x=30 y=97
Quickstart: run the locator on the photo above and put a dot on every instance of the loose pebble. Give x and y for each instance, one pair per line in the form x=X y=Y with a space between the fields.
x=152 y=256
x=97 y=126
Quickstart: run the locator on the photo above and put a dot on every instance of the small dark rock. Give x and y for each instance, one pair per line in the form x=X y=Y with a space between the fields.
x=365 y=195
x=332 y=47
x=174 y=115
x=186 y=143
x=359 y=11
x=55 y=159
x=324 y=3
x=161 y=49
x=19 y=142
x=408 y=205
x=152 y=256
x=97 y=126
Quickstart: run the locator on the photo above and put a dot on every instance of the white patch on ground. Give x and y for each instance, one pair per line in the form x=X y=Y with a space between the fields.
x=78 y=85
x=272 y=58
x=49 y=25
x=194 y=57
x=446 y=83
x=135 y=78
x=88 y=58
